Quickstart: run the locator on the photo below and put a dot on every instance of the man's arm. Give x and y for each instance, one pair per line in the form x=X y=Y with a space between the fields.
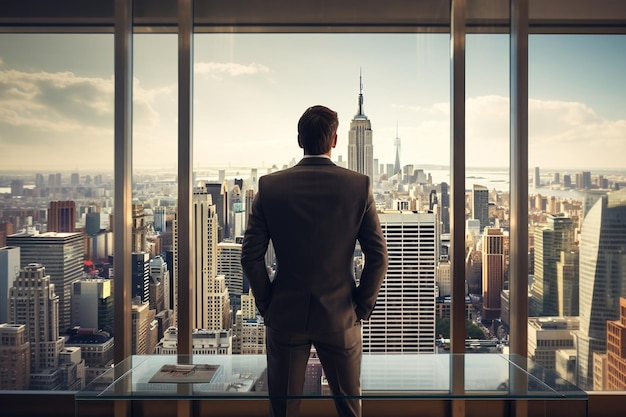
x=253 y=251
x=374 y=248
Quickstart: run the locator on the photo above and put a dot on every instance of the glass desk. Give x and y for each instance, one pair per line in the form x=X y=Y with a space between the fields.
x=433 y=376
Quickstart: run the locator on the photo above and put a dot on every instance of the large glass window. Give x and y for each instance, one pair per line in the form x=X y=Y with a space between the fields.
x=56 y=137
x=576 y=207
x=249 y=92
x=487 y=189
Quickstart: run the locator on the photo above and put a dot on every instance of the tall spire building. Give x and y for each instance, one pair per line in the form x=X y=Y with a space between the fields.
x=360 y=147
x=396 y=145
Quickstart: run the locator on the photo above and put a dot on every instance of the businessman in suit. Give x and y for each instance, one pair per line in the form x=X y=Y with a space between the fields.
x=314 y=213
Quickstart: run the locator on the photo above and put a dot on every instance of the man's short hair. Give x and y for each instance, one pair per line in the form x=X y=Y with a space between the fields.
x=316 y=130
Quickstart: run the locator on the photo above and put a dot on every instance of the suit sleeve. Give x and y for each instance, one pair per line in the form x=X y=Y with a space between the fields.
x=374 y=248
x=253 y=249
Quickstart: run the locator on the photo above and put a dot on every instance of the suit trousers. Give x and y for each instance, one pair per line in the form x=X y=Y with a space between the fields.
x=340 y=355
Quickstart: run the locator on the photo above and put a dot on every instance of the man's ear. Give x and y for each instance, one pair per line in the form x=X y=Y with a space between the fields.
x=335 y=141
x=300 y=142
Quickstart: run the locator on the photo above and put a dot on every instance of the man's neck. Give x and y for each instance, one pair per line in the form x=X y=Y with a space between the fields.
x=322 y=155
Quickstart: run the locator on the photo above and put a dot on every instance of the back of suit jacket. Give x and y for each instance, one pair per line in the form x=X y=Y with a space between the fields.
x=314 y=213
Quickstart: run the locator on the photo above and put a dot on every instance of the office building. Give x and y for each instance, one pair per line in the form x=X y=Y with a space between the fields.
x=33 y=302
x=493 y=269
x=474 y=271
x=144 y=329
x=537 y=178
x=443 y=279
x=9 y=271
x=92 y=223
x=237 y=211
x=160 y=219
x=62 y=216
x=248 y=335
x=219 y=197
x=404 y=318
x=547 y=336
x=444 y=202
x=602 y=277
x=14 y=357
x=159 y=284
x=204 y=342
x=551 y=238
x=172 y=261
x=205 y=225
x=480 y=205
x=140 y=268
x=616 y=350
x=360 y=145
x=568 y=283
x=92 y=304
x=17 y=188
x=229 y=265
x=139 y=228
x=62 y=256
x=96 y=349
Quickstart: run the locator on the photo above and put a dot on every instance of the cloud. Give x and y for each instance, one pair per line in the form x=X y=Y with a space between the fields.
x=54 y=102
x=218 y=70
x=561 y=133
x=48 y=116
x=63 y=102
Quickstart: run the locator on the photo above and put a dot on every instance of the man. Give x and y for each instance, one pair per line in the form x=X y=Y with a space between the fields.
x=314 y=213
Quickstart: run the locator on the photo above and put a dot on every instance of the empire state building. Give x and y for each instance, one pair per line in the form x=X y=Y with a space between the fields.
x=360 y=148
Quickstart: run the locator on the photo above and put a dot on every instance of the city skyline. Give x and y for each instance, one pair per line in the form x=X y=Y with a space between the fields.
x=251 y=89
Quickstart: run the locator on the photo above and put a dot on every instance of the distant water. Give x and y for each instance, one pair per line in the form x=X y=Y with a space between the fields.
x=499 y=179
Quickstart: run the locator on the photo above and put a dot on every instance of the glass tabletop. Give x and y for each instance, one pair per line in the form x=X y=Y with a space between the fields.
x=383 y=376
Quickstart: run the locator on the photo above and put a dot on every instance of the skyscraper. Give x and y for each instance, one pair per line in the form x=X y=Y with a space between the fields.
x=360 y=146
x=159 y=273
x=480 y=205
x=602 y=277
x=537 y=178
x=493 y=272
x=445 y=208
x=144 y=330
x=32 y=302
x=404 y=318
x=9 y=271
x=396 y=146
x=551 y=239
x=568 y=283
x=140 y=228
x=62 y=255
x=219 y=197
x=229 y=265
x=212 y=301
x=141 y=276
x=62 y=216
x=92 y=304
x=160 y=219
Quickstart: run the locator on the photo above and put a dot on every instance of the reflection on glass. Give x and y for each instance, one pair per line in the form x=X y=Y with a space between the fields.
x=487 y=376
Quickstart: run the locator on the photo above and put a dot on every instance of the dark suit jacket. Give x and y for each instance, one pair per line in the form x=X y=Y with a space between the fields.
x=314 y=212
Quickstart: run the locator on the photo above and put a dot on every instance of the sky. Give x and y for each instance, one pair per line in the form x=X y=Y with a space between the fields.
x=56 y=98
